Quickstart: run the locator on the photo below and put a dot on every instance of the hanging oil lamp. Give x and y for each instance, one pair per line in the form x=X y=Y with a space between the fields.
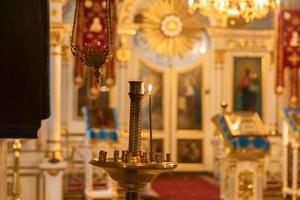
x=91 y=39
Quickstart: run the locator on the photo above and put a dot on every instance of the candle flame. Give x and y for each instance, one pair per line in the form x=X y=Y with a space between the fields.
x=150 y=88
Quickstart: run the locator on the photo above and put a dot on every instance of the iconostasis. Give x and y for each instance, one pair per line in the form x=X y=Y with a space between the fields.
x=168 y=50
x=192 y=65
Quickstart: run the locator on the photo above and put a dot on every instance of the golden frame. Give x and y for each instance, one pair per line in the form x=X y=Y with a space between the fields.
x=253 y=127
x=265 y=61
x=140 y=62
x=190 y=161
x=177 y=73
x=183 y=69
x=262 y=68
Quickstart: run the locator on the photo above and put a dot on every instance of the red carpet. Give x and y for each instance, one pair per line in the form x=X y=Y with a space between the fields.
x=185 y=187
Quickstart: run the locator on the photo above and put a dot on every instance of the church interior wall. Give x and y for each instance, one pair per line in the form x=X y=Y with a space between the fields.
x=217 y=85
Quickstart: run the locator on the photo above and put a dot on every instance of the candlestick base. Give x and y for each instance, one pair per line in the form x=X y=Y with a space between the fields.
x=132 y=176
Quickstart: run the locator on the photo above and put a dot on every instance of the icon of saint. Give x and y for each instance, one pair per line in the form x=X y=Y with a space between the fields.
x=248 y=86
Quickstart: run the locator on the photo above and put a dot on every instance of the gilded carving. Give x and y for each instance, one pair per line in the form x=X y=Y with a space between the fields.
x=53 y=172
x=126 y=10
x=247 y=43
x=245 y=185
x=56 y=36
x=54 y=156
x=123 y=53
x=219 y=56
x=54 y=12
x=65 y=54
x=169 y=29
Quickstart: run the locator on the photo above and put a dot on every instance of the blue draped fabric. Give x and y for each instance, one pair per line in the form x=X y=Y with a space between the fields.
x=287 y=115
x=102 y=134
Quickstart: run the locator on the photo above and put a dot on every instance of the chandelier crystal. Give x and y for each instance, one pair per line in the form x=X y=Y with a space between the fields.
x=249 y=10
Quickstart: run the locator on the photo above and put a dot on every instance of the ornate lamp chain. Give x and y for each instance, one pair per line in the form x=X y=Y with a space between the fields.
x=93 y=56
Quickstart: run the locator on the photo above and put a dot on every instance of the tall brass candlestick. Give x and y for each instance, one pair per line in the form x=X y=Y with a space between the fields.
x=136 y=93
x=133 y=172
x=150 y=120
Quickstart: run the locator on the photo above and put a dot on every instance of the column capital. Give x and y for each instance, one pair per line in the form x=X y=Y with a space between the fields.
x=56 y=36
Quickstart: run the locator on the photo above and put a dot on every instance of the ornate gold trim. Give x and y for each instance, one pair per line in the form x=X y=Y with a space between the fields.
x=129 y=29
x=263 y=70
x=54 y=172
x=54 y=156
x=126 y=12
x=53 y=141
x=245 y=185
x=123 y=52
x=219 y=56
x=56 y=36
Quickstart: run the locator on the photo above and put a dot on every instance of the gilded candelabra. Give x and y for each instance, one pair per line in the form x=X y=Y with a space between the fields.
x=134 y=169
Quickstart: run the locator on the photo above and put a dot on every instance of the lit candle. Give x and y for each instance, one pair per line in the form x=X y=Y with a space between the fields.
x=150 y=120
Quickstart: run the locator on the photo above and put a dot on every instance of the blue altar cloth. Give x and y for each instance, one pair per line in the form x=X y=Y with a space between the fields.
x=242 y=142
x=102 y=134
x=294 y=126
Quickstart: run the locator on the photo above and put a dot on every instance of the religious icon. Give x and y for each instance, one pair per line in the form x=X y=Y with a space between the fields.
x=101 y=118
x=158 y=145
x=245 y=123
x=247 y=84
x=189 y=100
x=189 y=151
x=82 y=98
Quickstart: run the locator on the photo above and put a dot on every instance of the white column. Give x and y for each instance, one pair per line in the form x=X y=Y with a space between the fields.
x=88 y=168
x=53 y=165
x=223 y=179
x=52 y=179
x=56 y=40
x=3 y=165
x=124 y=57
x=231 y=193
x=295 y=147
x=121 y=85
x=219 y=64
x=285 y=158
x=259 y=179
x=54 y=122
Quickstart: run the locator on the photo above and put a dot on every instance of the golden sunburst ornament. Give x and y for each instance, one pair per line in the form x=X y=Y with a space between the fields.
x=169 y=28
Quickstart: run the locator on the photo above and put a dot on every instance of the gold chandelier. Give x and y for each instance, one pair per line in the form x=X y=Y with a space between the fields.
x=249 y=10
